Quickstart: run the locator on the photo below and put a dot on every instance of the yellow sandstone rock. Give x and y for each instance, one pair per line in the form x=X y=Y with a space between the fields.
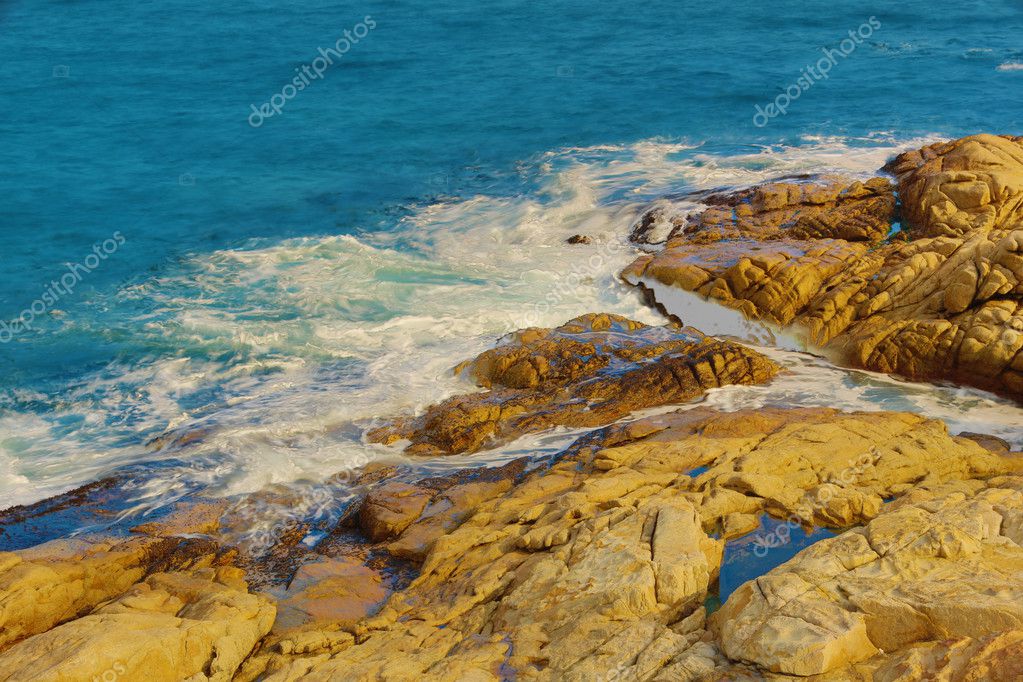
x=924 y=572
x=588 y=372
x=945 y=305
x=169 y=628
x=60 y=580
x=954 y=188
x=600 y=565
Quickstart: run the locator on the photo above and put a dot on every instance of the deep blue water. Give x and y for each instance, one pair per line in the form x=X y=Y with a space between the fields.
x=131 y=116
x=772 y=544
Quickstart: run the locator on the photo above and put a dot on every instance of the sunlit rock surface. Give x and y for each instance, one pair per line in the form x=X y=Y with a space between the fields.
x=958 y=187
x=140 y=608
x=940 y=300
x=600 y=565
x=604 y=562
x=939 y=565
x=588 y=372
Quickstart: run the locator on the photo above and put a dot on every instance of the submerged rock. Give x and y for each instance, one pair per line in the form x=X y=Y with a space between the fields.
x=588 y=372
x=945 y=305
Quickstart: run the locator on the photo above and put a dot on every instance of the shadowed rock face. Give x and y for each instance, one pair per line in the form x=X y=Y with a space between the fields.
x=945 y=305
x=588 y=372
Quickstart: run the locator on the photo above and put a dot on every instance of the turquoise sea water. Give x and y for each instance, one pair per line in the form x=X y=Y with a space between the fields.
x=278 y=287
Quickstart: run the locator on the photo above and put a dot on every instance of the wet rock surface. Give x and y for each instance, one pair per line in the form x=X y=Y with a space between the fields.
x=588 y=372
x=92 y=504
x=944 y=301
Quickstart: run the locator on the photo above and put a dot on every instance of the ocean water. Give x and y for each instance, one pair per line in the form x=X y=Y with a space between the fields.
x=279 y=283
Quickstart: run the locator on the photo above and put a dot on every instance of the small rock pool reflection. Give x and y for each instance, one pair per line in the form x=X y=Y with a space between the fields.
x=756 y=553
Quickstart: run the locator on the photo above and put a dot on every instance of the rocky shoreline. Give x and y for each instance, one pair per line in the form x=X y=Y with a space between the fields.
x=937 y=299
x=609 y=560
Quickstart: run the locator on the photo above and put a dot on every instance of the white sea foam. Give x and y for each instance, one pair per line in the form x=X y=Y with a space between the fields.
x=289 y=351
x=1010 y=66
x=717 y=320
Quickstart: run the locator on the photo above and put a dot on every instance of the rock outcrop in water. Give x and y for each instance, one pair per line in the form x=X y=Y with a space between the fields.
x=588 y=372
x=940 y=300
